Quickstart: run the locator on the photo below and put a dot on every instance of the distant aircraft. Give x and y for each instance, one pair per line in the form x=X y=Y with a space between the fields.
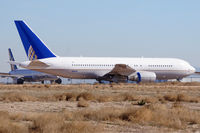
x=21 y=75
x=104 y=68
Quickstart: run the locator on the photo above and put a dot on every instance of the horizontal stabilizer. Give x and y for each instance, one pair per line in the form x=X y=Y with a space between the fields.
x=14 y=63
x=37 y=64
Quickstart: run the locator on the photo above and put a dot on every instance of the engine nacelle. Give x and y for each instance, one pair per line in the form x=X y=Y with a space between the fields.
x=143 y=76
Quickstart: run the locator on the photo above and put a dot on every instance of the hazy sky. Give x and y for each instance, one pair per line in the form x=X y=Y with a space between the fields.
x=127 y=28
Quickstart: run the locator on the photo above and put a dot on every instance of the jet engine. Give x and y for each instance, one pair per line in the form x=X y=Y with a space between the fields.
x=143 y=76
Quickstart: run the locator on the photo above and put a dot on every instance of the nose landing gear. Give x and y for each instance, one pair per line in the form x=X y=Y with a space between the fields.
x=178 y=80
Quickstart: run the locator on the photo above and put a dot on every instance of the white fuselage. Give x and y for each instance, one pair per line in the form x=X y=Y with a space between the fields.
x=94 y=67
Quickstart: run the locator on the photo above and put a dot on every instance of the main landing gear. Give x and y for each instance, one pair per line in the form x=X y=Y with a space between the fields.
x=20 y=81
x=57 y=81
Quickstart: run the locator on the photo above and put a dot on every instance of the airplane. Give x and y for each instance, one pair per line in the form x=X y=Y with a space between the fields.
x=110 y=69
x=21 y=75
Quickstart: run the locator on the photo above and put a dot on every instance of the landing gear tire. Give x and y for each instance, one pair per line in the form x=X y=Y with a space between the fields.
x=20 y=81
x=58 y=81
x=42 y=82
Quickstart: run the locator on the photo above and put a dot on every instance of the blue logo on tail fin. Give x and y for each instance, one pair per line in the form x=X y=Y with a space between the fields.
x=11 y=58
x=34 y=47
x=31 y=54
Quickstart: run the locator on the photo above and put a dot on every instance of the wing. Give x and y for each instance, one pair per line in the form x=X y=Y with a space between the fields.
x=118 y=74
x=122 y=69
x=7 y=75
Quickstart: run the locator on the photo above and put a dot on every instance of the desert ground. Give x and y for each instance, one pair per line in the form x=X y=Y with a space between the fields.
x=100 y=108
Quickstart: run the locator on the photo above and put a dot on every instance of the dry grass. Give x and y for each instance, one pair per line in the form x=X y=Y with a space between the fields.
x=117 y=97
x=104 y=114
x=160 y=115
x=8 y=126
x=155 y=115
x=128 y=97
x=170 y=97
x=83 y=103
x=64 y=96
x=16 y=97
x=151 y=99
x=95 y=96
x=180 y=98
x=55 y=123
x=44 y=123
x=105 y=98
x=176 y=117
x=170 y=105
x=86 y=96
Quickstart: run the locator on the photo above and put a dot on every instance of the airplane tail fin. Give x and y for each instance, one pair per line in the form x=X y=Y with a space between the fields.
x=11 y=58
x=34 y=47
